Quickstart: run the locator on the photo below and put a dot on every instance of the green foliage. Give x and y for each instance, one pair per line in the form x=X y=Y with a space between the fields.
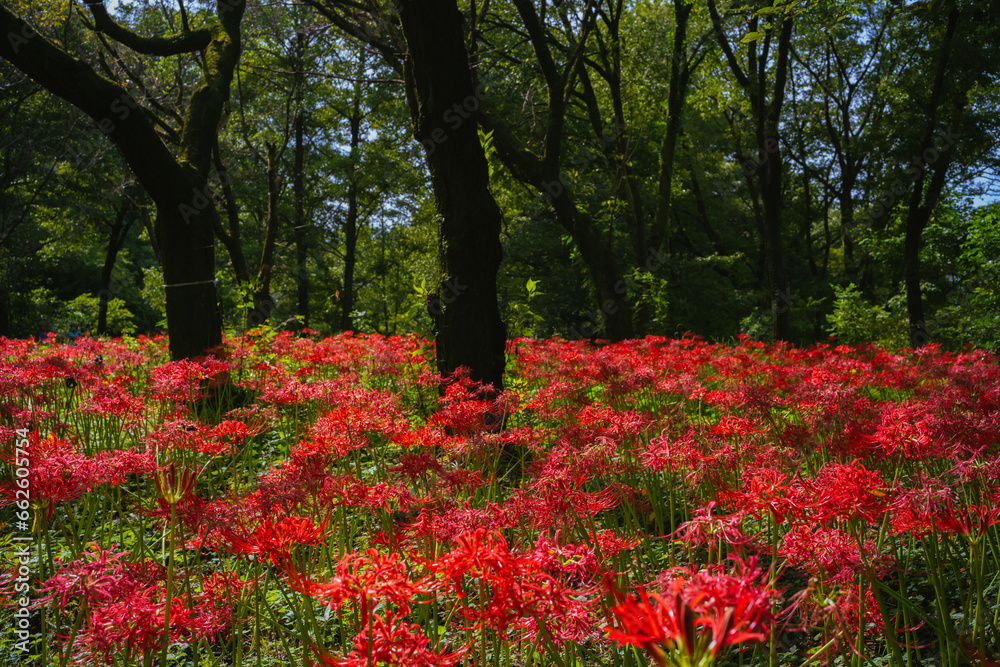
x=63 y=183
x=152 y=290
x=855 y=320
x=971 y=312
x=521 y=319
x=79 y=314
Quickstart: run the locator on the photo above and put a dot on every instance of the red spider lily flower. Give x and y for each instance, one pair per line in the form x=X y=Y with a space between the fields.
x=824 y=551
x=213 y=606
x=848 y=492
x=698 y=615
x=767 y=491
x=371 y=576
x=183 y=380
x=111 y=399
x=920 y=515
x=133 y=620
x=276 y=538
x=236 y=430
x=57 y=472
x=391 y=641
x=348 y=491
x=611 y=543
x=657 y=624
x=364 y=418
x=96 y=576
x=713 y=530
x=173 y=482
x=521 y=591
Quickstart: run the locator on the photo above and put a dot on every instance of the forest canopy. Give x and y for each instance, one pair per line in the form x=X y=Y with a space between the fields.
x=789 y=170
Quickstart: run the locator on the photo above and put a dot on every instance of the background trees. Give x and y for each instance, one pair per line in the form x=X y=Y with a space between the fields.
x=660 y=167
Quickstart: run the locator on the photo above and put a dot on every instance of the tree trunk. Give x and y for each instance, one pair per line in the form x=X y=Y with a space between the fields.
x=187 y=246
x=351 y=223
x=185 y=214
x=299 y=225
x=676 y=95
x=922 y=203
x=263 y=304
x=471 y=333
x=769 y=146
x=116 y=239
x=298 y=186
x=768 y=169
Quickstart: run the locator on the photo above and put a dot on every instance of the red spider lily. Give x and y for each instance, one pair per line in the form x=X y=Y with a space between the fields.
x=389 y=640
x=558 y=503
x=96 y=576
x=656 y=624
x=519 y=592
x=133 y=620
x=214 y=605
x=183 y=381
x=276 y=538
x=713 y=530
x=767 y=491
x=186 y=436
x=57 y=472
x=372 y=576
x=824 y=551
x=111 y=399
x=173 y=482
x=698 y=615
x=849 y=492
x=363 y=418
x=611 y=544
x=969 y=521
x=237 y=431
x=348 y=491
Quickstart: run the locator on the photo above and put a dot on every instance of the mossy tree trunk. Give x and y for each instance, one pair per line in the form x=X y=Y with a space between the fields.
x=186 y=217
x=438 y=76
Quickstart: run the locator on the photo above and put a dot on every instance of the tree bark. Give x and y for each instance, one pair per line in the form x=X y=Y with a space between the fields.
x=768 y=170
x=471 y=333
x=299 y=225
x=927 y=191
x=676 y=96
x=263 y=304
x=351 y=223
x=185 y=213
x=116 y=239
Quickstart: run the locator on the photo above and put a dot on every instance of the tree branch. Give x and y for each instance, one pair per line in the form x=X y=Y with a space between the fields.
x=169 y=45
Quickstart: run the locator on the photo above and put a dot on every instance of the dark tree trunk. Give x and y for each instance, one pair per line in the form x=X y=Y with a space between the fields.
x=298 y=185
x=927 y=191
x=5 y=328
x=676 y=95
x=781 y=304
x=185 y=213
x=187 y=248
x=351 y=223
x=471 y=333
x=263 y=304
x=299 y=225
x=766 y=112
x=116 y=239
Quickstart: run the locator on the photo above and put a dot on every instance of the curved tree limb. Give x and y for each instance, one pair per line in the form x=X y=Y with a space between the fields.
x=168 y=45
